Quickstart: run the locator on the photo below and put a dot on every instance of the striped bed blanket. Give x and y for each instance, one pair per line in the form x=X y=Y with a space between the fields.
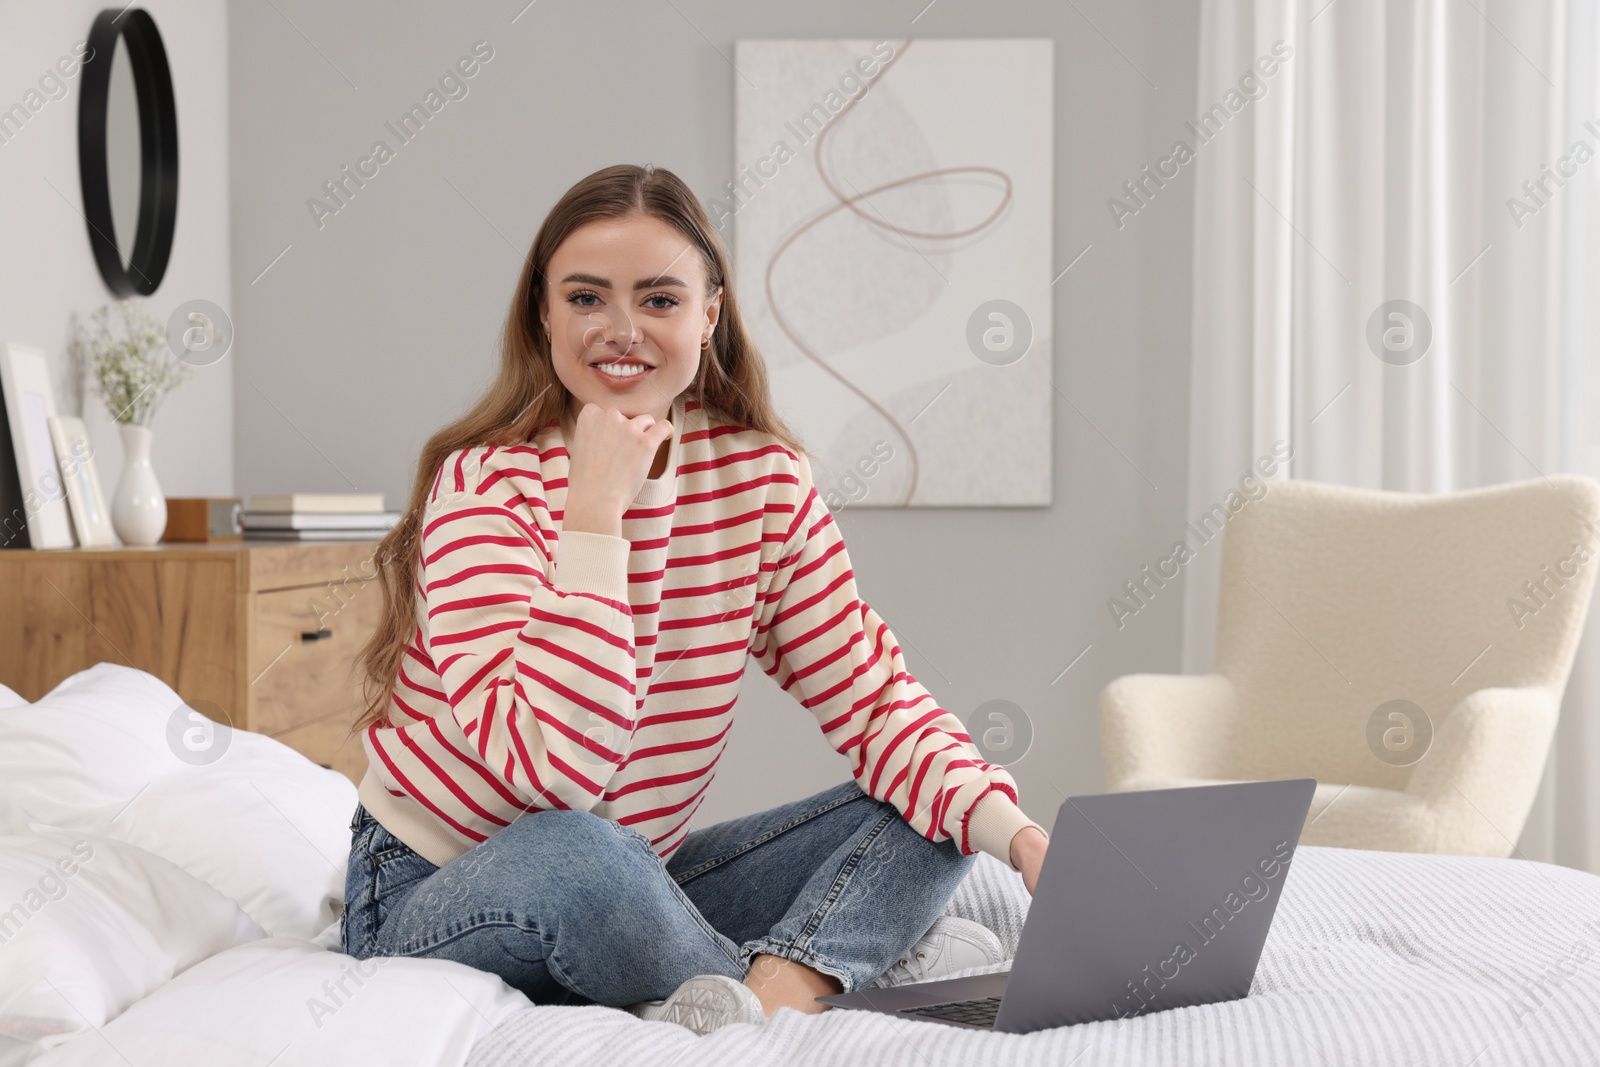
x=1379 y=958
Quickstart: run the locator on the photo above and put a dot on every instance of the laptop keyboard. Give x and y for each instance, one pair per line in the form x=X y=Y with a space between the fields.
x=979 y=1012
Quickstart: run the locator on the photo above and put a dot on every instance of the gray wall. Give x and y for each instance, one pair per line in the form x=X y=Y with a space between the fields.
x=47 y=270
x=375 y=328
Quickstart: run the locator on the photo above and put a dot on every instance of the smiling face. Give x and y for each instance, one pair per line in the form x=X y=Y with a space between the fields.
x=626 y=311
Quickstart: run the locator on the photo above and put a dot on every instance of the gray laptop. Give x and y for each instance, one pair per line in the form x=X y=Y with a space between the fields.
x=1147 y=900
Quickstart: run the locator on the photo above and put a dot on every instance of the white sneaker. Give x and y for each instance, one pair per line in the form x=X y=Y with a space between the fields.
x=704 y=1003
x=951 y=944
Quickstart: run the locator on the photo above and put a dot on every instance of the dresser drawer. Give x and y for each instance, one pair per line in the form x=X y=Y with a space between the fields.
x=313 y=563
x=297 y=677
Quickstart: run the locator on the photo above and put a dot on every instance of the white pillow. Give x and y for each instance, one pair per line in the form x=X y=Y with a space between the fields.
x=91 y=926
x=9 y=699
x=283 y=1002
x=114 y=751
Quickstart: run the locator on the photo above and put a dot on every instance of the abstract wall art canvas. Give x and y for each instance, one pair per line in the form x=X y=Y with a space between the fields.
x=891 y=220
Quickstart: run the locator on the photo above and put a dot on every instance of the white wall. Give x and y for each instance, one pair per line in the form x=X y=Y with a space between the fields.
x=372 y=330
x=47 y=270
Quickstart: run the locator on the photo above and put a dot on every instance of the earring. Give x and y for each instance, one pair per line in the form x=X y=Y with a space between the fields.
x=706 y=343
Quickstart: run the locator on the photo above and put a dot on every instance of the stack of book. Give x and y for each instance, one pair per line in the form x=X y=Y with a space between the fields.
x=318 y=517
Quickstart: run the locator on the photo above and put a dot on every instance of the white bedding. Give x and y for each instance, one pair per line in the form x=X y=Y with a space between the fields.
x=157 y=947
x=1375 y=958
x=291 y=1003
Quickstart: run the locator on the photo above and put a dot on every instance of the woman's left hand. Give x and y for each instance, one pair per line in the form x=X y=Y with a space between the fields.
x=1028 y=847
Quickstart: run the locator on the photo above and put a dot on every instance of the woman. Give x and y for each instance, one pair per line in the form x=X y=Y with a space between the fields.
x=587 y=559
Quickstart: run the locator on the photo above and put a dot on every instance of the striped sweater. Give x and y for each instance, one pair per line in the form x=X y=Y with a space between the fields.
x=580 y=670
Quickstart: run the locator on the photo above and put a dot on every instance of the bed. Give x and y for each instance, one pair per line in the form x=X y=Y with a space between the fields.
x=171 y=894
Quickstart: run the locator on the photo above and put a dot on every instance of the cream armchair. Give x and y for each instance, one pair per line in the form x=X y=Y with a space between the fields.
x=1336 y=602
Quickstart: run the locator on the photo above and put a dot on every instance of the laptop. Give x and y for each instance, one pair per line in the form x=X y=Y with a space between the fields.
x=1146 y=901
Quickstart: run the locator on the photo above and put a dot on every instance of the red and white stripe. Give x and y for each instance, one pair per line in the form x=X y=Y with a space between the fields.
x=614 y=691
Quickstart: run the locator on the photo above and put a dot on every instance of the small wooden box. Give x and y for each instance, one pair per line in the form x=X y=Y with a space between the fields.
x=204 y=519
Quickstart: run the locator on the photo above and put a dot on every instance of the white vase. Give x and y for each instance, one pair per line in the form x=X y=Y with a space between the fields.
x=138 y=510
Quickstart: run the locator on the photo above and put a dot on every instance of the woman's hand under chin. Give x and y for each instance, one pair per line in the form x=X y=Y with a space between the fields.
x=610 y=456
x=1028 y=847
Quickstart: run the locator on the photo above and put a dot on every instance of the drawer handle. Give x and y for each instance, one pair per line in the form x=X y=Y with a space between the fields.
x=315 y=635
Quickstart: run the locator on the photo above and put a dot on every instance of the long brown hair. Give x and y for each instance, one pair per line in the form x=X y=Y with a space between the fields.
x=526 y=395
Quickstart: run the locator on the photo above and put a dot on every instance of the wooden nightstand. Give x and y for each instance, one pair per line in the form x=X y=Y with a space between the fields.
x=267 y=632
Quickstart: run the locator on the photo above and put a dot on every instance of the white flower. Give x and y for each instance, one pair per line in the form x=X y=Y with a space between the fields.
x=133 y=369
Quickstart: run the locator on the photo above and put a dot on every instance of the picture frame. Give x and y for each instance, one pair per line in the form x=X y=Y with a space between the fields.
x=30 y=403
x=91 y=517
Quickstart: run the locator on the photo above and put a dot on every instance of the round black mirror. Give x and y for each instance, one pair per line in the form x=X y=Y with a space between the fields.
x=128 y=151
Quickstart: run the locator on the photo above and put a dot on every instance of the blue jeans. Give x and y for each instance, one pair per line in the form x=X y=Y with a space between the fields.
x=572 y=908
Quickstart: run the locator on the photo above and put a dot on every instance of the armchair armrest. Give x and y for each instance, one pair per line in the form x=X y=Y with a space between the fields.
x=1484 y=767
x=1165 y=726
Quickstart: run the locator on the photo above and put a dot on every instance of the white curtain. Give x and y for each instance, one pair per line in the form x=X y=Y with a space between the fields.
x=1386 y=161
